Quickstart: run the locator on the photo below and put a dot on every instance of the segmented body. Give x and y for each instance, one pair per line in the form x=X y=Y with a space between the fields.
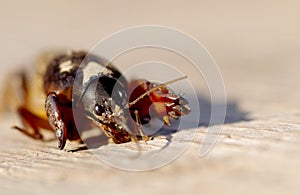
x=81 y=86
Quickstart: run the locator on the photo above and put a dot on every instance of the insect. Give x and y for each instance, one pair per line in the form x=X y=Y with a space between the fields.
x=105 y=100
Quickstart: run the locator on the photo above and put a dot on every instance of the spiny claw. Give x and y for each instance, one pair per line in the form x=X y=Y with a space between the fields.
x=167 y=120
x=182 y=101
x=145 y=138
x=165 y=104
x=173 y=115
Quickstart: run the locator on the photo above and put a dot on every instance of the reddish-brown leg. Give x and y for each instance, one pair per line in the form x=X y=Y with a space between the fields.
x=117 y=135
x=165 y=103
x=32 y=124
x=60 y=117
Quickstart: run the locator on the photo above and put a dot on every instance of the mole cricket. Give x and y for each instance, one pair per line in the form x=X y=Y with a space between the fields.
x=105 y=100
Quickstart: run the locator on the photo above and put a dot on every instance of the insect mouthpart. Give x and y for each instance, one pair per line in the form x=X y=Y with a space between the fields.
x=108 y=112
x=112 y=120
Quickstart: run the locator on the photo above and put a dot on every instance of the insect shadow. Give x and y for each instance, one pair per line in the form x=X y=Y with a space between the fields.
x=233 y=114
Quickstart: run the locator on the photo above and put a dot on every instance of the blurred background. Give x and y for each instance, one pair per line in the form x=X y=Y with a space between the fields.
x=256 y=43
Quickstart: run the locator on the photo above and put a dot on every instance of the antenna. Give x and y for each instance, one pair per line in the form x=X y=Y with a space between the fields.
x=154 y=89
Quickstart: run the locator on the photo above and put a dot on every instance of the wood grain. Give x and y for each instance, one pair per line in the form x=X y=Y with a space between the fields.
x=258 y=154
x=256 y=45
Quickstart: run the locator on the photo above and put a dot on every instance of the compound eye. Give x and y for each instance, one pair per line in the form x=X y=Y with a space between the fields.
x=99 y=110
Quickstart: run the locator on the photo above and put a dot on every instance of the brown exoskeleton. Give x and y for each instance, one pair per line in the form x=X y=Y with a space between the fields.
x=102 y=100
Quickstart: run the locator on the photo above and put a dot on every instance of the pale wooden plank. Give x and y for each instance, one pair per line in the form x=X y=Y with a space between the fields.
x=258 y=154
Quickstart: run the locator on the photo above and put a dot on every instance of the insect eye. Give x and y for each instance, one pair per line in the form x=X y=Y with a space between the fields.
x=99 y=110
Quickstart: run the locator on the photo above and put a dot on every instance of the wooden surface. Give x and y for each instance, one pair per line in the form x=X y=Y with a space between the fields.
x=261 y=155
x=257 y=48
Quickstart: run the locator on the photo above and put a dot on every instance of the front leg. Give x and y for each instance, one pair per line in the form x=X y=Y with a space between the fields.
x=60 y=116
x=140 y=127
x=117 y=134
x=163 y=101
